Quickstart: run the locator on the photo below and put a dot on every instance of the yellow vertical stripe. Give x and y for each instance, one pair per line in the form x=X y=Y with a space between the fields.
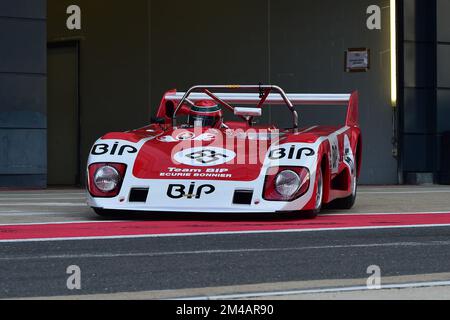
x=393 y=54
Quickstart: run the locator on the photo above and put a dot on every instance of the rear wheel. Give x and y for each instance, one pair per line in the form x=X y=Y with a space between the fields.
x=349 y=202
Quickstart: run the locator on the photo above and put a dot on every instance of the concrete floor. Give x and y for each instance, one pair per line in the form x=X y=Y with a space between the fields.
x=61 y=205
x=428 y=287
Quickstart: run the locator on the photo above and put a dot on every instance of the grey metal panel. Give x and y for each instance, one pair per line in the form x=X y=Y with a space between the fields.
x=23 y=40
x=417 y=65
x=307 y=55
x=419 y=149
x=23 y=8
x=23 y=151
x=443 y=66
x=23 y=45
x=439 y=165
x=443 y=110
x=23 y=181
x=418 y=110
x=22 y=101
x=443 y=22
x=418 y=20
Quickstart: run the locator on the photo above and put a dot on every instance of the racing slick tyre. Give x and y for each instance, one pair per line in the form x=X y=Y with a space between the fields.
x=349 y=202
x=105 y=213
x=319 y=196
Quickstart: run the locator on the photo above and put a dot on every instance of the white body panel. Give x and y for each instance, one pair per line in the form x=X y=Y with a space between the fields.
x=273 y=98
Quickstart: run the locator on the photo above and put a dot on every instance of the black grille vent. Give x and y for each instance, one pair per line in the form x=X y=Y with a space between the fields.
x=243 y=197
x=138 y=195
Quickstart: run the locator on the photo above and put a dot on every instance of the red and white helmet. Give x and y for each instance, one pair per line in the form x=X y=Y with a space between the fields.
x=205 y=113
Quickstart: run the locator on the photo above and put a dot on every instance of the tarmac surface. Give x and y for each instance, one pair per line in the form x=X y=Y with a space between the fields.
x=406 y=235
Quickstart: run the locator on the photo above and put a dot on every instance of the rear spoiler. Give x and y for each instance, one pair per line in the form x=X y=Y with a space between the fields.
x=266 y=97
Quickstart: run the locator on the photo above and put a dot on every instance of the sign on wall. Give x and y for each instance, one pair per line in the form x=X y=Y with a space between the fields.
x=357 y=60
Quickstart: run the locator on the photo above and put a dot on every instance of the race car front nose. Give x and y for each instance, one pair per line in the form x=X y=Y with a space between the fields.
x=198 y=196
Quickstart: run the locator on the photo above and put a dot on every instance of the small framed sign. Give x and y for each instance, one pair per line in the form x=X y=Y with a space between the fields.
x=357 y=60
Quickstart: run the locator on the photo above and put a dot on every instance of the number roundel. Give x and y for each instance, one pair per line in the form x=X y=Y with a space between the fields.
x=204 y=156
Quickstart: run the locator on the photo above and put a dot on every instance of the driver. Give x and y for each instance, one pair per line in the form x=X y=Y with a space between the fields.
x=205 y=113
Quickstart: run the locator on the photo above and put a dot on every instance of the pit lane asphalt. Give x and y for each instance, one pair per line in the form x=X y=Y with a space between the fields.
x=38 y=269
x=62 y=205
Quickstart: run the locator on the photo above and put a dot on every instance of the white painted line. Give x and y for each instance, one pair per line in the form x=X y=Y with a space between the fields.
x=44 y=204
x=105 y=221
x=196 y=234
x=317 y=291
x=404 y=192
x=59 y=222
x=224 y=251
x=40 y=198
x=324 y=214
x=7 y=194
x=37 y=213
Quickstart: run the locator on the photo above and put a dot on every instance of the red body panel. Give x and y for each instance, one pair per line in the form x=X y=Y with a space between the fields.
x=155 y=159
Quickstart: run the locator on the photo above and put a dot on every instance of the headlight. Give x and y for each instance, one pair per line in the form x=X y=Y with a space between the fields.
x=287 y=183
x=106 y=178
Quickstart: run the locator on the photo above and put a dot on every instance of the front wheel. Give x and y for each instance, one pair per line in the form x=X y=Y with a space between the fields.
x=105 y=213
x=319 y=196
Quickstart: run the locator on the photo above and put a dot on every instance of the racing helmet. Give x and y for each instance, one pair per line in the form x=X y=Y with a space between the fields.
x=205 y=113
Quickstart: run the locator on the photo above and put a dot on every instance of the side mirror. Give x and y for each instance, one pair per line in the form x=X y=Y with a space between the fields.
x=154 y=120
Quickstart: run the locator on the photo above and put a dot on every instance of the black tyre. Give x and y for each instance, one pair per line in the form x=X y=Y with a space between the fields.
x=349 y=202
x=105 y=213
x=319 y=196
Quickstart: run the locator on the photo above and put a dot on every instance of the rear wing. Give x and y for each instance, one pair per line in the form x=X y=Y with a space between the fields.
x=272 y=95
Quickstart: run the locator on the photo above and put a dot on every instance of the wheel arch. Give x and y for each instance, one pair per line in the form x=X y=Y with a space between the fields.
x=326 y=172
x=358 y=155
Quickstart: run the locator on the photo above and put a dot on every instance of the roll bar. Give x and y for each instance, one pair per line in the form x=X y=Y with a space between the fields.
x=206 y=91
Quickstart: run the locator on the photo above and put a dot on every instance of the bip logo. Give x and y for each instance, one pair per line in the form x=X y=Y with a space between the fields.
x=178 y=191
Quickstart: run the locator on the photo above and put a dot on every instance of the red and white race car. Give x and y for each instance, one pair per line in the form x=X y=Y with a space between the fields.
x=191 y=160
